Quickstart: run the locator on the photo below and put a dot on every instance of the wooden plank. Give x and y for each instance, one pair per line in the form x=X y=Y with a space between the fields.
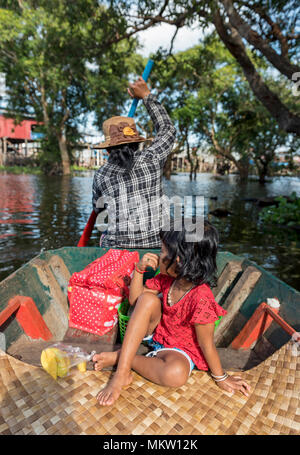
x=57 y=314
x=227 y=277
x=60 y=271
x=235 y=300
x=259 y=322
x=238 y=360
x=109 y=338
x=12 y=306
x=30 y=351
x=30 y=319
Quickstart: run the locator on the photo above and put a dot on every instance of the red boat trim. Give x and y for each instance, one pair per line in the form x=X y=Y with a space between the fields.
x=28 y=316
x=259 y=322
x=88 y=230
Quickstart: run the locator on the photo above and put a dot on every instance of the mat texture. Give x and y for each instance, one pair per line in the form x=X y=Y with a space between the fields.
x=31 y=402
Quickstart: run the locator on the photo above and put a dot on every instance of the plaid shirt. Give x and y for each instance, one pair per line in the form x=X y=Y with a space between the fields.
x=135 y=195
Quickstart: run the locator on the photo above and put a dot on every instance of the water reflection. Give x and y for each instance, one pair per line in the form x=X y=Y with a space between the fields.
x=39 y=213
x=16 y=202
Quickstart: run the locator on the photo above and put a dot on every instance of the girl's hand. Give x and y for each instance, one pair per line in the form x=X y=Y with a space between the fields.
x=233 y=383
x=148 y=260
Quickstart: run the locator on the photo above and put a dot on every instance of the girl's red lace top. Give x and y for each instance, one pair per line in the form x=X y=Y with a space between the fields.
x=176 y=328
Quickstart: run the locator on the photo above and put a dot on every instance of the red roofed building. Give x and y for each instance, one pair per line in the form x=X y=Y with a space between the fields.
x=17 y=140
x=9 y=130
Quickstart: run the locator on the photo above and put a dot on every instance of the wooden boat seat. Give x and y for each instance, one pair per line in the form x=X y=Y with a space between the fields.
x=234 y=287
x=30 y=352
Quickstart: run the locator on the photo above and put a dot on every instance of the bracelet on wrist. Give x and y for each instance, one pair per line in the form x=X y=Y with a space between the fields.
x=138 y=270
x=219 y=378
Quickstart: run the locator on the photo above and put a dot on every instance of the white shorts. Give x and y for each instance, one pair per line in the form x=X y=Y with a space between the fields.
x=159 y=347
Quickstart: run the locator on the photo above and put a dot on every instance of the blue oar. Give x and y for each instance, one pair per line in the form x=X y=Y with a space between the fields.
x=145 y=76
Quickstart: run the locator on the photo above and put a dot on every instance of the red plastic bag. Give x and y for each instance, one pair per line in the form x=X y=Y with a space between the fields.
x=97 y=291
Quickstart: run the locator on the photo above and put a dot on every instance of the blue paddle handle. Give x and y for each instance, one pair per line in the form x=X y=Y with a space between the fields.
x=145 y=76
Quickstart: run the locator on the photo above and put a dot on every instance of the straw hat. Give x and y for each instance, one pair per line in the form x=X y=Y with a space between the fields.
x=120 y=130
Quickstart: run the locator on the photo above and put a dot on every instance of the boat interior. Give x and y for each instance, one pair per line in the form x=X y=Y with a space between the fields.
x=242 y=287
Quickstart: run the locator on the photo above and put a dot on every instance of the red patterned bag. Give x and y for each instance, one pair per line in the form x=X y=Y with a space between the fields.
x=96 y=292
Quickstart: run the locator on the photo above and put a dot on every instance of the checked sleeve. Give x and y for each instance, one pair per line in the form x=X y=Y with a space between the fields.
x=96 y=194
x=163 y=142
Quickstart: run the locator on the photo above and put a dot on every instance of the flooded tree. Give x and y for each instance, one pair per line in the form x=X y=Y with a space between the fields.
x=211 y=103
x=62 y=60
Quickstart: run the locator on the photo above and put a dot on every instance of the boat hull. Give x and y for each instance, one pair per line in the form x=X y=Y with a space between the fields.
x=45 y=279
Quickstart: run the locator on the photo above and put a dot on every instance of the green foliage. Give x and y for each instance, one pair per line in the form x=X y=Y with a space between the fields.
x=62 y=60
x=210 y=102
x=287 y=212
x=262 y=35
x=20 y=170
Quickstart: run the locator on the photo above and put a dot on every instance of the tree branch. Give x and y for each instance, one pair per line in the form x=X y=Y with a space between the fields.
x=178 y=21
x=64 y=109
x=281 y=62
x=211 y=134
x=172 y=40
x=287 y=121
x=275 y=30
x=44 y=106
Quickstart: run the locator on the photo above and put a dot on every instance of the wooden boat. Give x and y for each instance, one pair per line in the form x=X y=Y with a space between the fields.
x=253 y=338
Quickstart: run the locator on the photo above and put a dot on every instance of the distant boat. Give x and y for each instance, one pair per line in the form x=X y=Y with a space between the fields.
x=33 y=403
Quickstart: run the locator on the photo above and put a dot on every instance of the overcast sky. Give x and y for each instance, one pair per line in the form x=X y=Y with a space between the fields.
x=162 y=34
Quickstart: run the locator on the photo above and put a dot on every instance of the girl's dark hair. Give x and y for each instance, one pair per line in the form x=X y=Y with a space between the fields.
x=123 y=155
x=197 y=259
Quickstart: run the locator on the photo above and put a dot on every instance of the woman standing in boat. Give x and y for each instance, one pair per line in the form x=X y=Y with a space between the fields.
x=180 y=329
x=130 y=183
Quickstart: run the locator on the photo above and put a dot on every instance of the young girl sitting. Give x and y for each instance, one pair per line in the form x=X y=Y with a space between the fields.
x=180 y=328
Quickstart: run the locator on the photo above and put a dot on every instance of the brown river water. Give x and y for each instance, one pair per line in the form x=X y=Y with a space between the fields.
x=39 y=213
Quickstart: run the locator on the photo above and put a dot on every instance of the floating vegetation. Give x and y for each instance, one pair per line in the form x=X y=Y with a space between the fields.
x=286 y=212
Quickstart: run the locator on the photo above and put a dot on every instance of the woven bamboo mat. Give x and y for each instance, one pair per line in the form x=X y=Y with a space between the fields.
x=31 y=402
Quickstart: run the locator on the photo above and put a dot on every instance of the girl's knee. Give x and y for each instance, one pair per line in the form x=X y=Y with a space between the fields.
x=147 y=299
x=175 y=375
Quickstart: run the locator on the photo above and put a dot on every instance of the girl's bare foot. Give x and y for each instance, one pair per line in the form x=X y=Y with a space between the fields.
x=110 y=393
x=105 y=359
